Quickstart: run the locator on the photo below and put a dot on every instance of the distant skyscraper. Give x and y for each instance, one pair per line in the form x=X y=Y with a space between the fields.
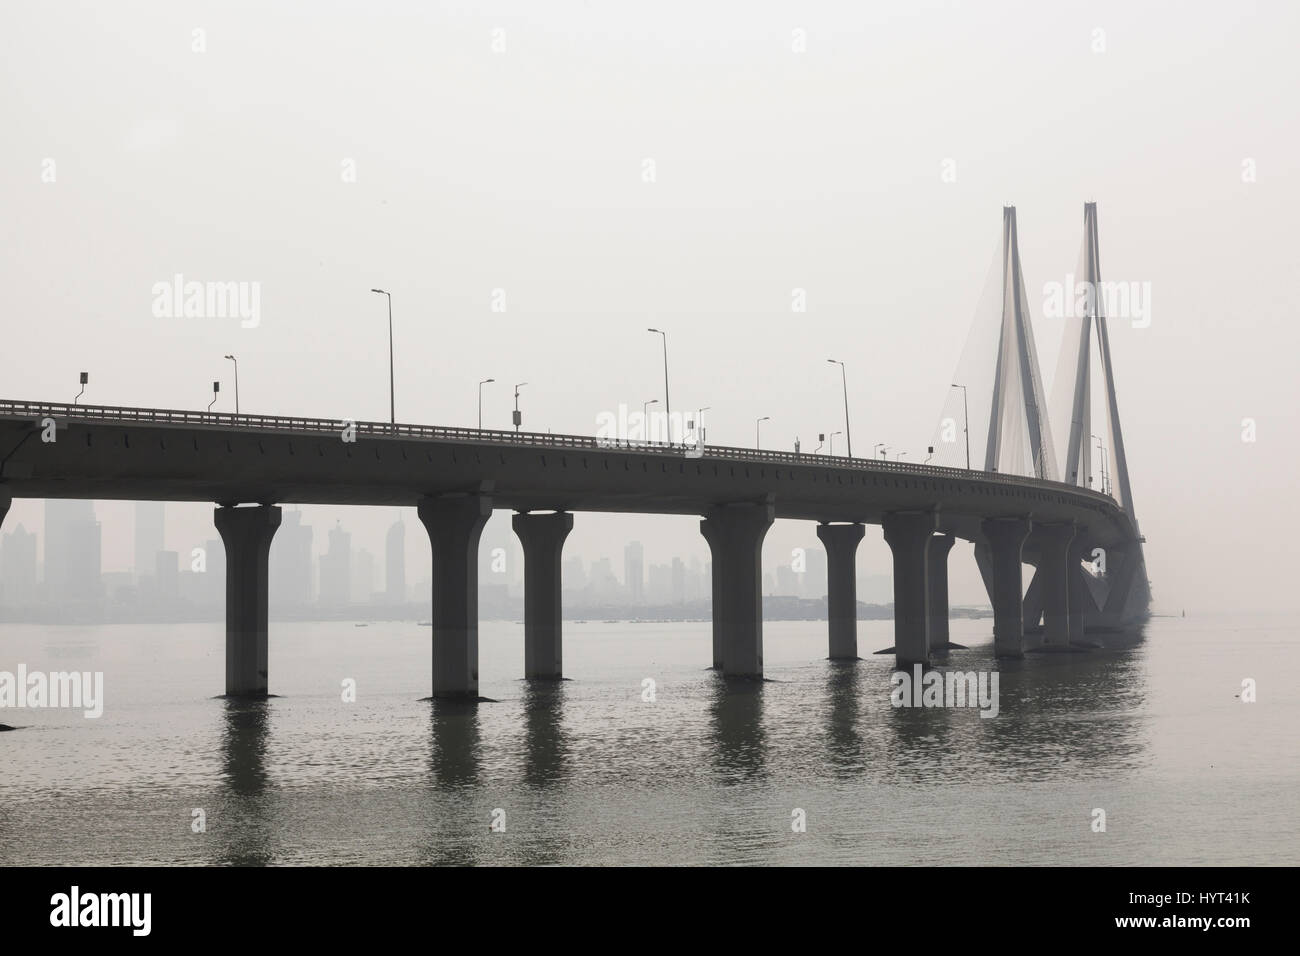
x=363 y=576
x=814 y=574
x=679 y=581
x=149 y=519
x=166 y=575
x=395 y=563
x=291 y=562
x=336 y=569
x=18 y=568
x=634 y=571
x=575 y=573
x=72 y=551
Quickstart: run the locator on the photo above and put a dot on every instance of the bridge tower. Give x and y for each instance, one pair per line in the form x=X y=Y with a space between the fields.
x=1017 y=385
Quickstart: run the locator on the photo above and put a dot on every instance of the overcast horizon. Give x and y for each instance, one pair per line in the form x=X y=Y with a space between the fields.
x=536 y=188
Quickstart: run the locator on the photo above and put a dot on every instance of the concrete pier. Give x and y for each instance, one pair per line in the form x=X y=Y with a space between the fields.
x=937 y=584
x=735 y=535
x=246 y=534
x=1006 y=539
x=841 y=542
x=455 y=523
x=542 y=537
x=1081 y=602
x=908 y=534
x=1054 y=580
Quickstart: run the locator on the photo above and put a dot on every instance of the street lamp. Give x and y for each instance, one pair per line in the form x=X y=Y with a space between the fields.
x=645 y=417
x=833 y=434
x=884 y=451
x=85 y=377
x=1104 y=478
x=668 y=407
x=965 y=415
x=216 y=388
x=480 y=401
x=518 y=418
x=392 y=402
x=899 y=456
x=757 y=426
x=699 y=422
x=879 y=447
x=844 y=380
x=236 y=361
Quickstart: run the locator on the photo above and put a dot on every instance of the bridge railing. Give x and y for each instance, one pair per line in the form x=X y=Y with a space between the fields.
x=35 y=411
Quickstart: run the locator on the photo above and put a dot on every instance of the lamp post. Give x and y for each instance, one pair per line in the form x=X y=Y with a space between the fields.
x=699 y=423
x=757 y=426
x=216 y=389
x=965 y=416
x=645 y=417
x=668 y=407
x=899 y=456
x=480 y=401
x=84 y=378
x=844 y=380
x=878 y=447
x=236 y=361
x=392 y=402
x=518 y=419
x=1105 y=485
x=833 y=434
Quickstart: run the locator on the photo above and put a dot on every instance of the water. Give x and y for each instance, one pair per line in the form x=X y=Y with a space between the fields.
x=588 y=772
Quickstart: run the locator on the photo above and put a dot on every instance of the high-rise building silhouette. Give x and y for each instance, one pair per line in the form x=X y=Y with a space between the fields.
x=395 y=563
x=72 y=551
x=336 y=568
x=634 y=571
x=291 y=562
x=363 y=576
x=18 y=568
x=149 y=526
x=679 y=581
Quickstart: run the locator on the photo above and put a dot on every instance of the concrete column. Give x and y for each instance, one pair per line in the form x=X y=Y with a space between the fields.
x=542 y=537
x=1054 y=581
x=908 y=534
x=841 y=543
x=246 y=534
x=1006 y=538
x=719 y=588
x=454 y=523
x=1080 y=598
x=735 y=534
x=937 y=585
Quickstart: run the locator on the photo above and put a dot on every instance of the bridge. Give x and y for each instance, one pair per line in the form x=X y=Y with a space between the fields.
x=250 y=464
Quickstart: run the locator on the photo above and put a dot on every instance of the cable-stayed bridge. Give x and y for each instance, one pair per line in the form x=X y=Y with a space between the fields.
x=1082 y=542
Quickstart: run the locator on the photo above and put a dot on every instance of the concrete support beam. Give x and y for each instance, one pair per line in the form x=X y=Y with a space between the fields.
x=735 y=534
x=841 y=543
x=455 y=523
x=908 y=534
x=246 y=534
x=542 y=537
x=1054 y=581
x=937 y=585
x=1006 y=538
x=717 y=586
x=1081 y=602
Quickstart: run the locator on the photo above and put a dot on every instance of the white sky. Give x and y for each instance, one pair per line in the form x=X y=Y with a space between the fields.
x=522 y=170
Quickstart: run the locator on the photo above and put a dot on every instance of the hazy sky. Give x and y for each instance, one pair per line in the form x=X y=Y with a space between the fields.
x=505 y=146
